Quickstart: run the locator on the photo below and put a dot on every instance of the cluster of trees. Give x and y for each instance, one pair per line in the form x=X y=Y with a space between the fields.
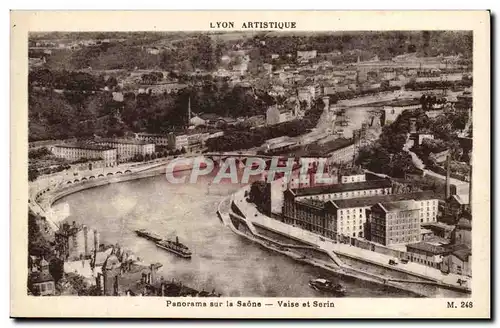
x=82 y=115
x=385 y=45
x=378 y=159
x=350 y=94
x=65 y=80
x=427 y=101
x=429 y=146
x=38 y=245
x=386 y=155
x=38 y=153
x=218 y=98
x=199 y=51
x=151 y=78
x=76 y=284
x=260 y=195
x=431 y=85
x=34 y=172
x=159 y=154
x=248 y=138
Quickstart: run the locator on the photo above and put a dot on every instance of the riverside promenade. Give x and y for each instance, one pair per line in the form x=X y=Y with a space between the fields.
x=350 y=259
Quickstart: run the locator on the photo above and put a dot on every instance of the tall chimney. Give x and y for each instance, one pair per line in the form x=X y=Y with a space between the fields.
x=96 y=240
x=470 y=182
x=115 y=286
x=447 y=191
x=152 y=274
x=86 y=240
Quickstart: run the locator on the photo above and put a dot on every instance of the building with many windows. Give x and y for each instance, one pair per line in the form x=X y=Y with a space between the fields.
x=157 y=139
x=276 y=115
x=189 y=141
x=428 y=209
x=128 y=149
x=348 y=217
x=352 y=178
x=426 y=253
x=75 y=152
x=394 y=223
x=76 y=242
x=345 y=190
x=341 y=150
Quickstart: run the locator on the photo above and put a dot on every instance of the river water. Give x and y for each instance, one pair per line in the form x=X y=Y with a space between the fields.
x=222 y=260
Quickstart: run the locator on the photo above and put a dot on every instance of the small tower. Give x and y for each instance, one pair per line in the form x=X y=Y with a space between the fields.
x=44 y=265
x=413 y=125
x=326 y=102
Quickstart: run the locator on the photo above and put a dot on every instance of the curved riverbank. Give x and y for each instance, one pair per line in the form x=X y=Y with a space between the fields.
x=41 y=201
x=341 y=263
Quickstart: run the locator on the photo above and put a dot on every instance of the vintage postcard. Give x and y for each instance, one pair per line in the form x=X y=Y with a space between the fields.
x=260 y=164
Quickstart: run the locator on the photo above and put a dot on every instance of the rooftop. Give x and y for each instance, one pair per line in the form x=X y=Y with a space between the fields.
x=427 y=247
x=312 y=202
x=123 y=141
x=439 y=225
x=462 y=199
x=151 y=134
x=369 y=201
x=365 y=185
x=402 y=205
x=463 y=254
x=40 y=276
x=464 y=223
x=323 y=149
x=85 y=146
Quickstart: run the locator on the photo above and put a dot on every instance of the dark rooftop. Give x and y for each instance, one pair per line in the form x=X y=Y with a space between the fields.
x=39 y=277
x=426 y=247
x=342 y=187
x=85 y=146
x=402 y=205
x=322 y=149
x=123 y=141
x=463 y=254
x=313 y=202
x=368 y=201
x=464 y=223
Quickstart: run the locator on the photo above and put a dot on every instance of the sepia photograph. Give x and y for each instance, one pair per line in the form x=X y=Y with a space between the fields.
x=252 y=164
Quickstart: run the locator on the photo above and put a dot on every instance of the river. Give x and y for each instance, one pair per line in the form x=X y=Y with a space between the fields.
x=222 y=260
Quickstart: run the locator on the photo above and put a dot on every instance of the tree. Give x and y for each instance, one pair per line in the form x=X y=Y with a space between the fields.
x=111 y=82
x=56 y=268
x=260 y=195
x=37 y=244
x=32 y=174
x=401 y=164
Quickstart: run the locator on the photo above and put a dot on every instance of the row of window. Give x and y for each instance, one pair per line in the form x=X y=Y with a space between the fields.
x=403 y=232
x=342 y=195
x=349 y=211
x=353 y=216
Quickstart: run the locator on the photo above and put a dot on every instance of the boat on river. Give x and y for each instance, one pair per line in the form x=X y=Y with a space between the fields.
x=175 y=247
x=148 y=235
x=325 y=285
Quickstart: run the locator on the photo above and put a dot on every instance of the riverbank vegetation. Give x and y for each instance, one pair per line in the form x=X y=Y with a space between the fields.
x=245 y=138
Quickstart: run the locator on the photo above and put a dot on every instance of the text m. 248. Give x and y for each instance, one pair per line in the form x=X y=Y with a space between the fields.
x=463 y=305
